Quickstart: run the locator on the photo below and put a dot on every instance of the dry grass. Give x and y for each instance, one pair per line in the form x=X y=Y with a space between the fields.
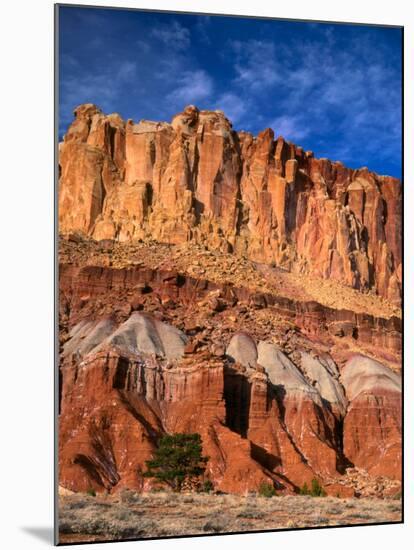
x=132 y=515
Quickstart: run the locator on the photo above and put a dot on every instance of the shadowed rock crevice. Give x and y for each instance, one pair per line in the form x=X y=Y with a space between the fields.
x=342 y=462
x=237 y=389
x=265 y=458
x=91 y=469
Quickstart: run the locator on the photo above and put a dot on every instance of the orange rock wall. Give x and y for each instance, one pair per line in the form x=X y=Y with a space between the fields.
x=197 y=179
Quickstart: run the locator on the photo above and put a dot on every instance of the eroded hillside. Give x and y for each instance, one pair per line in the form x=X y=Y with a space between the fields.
x=230 y=285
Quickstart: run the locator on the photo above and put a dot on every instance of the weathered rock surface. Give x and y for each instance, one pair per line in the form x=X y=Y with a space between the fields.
x=197 y=179
x=310 y=424
x=93 y=289
x=243 y=350
x=142 y=333
x=205 y=286
x=372 y=425
x=116 y=403
x=261 y=416
x=324 y=376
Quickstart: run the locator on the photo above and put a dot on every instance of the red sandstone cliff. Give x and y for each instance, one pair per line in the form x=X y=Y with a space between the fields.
x=249 y=333
x=198 y=180
x=148 y=351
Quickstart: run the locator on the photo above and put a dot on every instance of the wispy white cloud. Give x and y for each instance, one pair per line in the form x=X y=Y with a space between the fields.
x=174 y=35
x=142 y=46
x=202 y=29
x=345 y=100
x=232 y=105
x=290 y=127
x=256 y=66
x=329 y=89
x=191 y=87
x=87 y=89
x=127 y=71
x=69 y=62
x=102 y=87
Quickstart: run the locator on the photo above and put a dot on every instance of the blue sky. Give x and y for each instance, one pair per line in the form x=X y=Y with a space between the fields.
x=331 y=88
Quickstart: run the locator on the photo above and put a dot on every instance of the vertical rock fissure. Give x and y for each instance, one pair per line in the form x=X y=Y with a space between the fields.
x=237 y=393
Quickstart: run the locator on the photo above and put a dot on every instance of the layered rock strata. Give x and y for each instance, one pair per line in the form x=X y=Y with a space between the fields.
x=372 y=426
x=235 y=286
x=89 y=288
x=283 y=413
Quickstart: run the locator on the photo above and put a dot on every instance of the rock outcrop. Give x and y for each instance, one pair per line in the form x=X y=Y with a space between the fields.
x=372 y=426
x=198 y=180
x=96 y=289
x=118 y=399
x=235 y=286
x=263 y=416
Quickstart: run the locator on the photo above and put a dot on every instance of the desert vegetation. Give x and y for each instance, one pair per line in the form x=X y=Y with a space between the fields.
x=130 y=515
x=178 y=460
x=315 y=490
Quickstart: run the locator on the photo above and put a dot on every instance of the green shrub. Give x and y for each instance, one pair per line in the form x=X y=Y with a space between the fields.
x=177 y=459
x=267 y=490
x=316 y=489
x=207 y=486
x=91 y=492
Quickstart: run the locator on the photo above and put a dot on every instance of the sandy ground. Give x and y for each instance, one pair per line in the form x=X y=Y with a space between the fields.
x=131 y=515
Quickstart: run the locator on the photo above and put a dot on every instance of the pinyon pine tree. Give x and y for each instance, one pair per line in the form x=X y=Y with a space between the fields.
x=178 y=458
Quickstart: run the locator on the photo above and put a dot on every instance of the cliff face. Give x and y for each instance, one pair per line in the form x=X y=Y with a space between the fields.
x=217 y=283
x=274 y=386
x=198 y=180
x=260 y=420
